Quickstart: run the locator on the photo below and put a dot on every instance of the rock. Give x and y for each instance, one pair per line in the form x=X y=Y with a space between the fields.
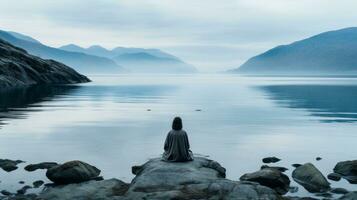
x=72 y=172
x=9 y=165
x=299 y=198
x=43 y=165
x=24 y=189
x=199 y=179
x=5 y=192
x=324 y=194
x=318 y=158
x=339 y=191
x=37 y=184
x=91 y=190
x=349 y=196
x=271 y=160
x=348 y=170
x=18 y=69
x=311 y=178
x=21 y=182
x=282 y=169
x=271 y=178
x=296 y=165
x=334 y=176
x=158 y=180
x=293 y=189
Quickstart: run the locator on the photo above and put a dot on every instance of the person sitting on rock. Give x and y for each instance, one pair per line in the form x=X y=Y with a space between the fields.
x=177 y=147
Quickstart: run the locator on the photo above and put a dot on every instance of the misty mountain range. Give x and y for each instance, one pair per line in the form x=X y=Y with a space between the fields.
x=333 y=52
x=97 y=59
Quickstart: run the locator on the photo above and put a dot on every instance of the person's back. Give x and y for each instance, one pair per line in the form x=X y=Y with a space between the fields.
x=177 y=146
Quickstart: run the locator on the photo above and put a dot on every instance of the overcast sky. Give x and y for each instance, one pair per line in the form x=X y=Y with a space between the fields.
x=212 y=35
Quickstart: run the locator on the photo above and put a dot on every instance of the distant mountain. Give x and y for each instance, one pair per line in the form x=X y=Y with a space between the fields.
x=138 y=59
x=18 y=69
x=81 y=62
x=23 y=37
x=333 y=52
x=146 y=63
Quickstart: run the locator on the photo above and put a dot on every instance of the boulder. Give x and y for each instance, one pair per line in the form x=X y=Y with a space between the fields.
x=9 y=165
x=271 y=159
x=311 y=178
x=72 y=172
x=38 y=183
x=334 y=176
x=198 y=179
x=339 y=191
x=271 y=178
x=348 y=170
x=42 y=165
x=349 y=196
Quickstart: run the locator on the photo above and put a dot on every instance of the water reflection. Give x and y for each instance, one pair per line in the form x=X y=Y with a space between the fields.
x=332 y=103
x=15 y=103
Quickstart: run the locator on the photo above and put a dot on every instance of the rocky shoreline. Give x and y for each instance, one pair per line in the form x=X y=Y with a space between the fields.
x=198 y=179
x=20 y=69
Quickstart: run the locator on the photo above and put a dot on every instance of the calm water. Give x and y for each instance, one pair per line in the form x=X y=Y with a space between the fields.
x=242 y=119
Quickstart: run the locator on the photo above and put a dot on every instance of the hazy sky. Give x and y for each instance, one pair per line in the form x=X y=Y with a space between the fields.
x=212 y=35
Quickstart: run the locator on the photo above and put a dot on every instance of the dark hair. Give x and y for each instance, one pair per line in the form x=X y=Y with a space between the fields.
x=177 y=124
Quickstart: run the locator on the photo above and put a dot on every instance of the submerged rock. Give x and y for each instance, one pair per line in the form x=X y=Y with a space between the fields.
x=18 y=68
x=9 y=165
x=42 y=165
x=311 y=178
x=37 y=184
x=24 y=189
x=271 y=160
x=348 y=170
x=72 y=172
x=271 y=178
x=5 y=192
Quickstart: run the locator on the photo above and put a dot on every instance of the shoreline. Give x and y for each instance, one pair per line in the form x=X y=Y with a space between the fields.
x=272 y=177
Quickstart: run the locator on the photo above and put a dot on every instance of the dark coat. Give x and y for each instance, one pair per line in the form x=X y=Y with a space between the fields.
x=177 y=147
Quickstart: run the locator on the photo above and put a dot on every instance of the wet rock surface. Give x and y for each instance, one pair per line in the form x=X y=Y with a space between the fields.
x=42 y=165
x=348 y=170
x=311 y=178
x=271 y=159
x=72 y=172
x=18 y=69
x=269 y=177
x=9 y=165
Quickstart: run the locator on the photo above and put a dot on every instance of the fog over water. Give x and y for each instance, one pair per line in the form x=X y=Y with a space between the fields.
x=242 y=119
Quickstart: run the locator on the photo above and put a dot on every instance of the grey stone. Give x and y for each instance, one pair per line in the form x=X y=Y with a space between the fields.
x=271 y=178
x=271 y=159
x=349 y=196
x=334 y=176
x=339 y=191
x=311 y=178
x=42 y=165
x=9 y=165
x=348 y=170
x=37 y=184
x=72 y=172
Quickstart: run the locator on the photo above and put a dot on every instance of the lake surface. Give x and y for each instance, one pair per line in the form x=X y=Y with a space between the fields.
x=116 y=122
